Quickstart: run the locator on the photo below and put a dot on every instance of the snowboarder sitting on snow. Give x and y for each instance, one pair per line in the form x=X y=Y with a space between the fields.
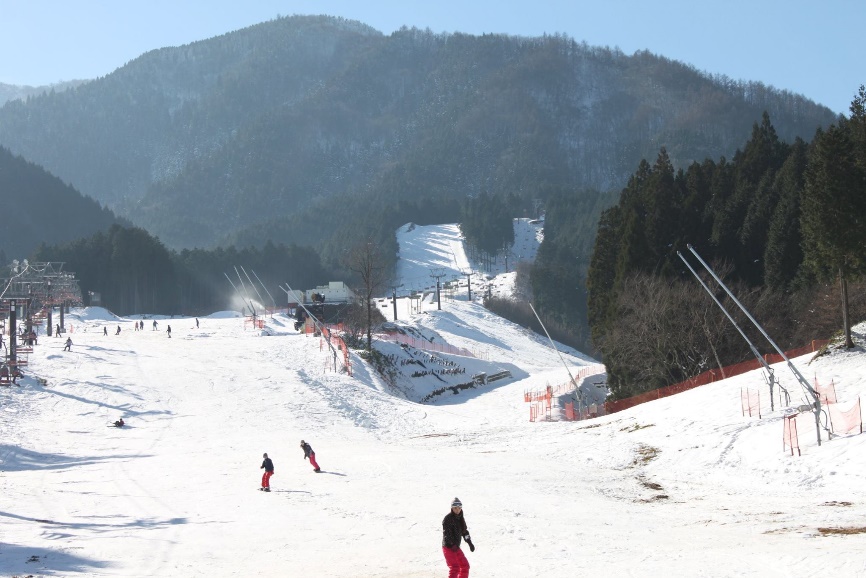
x=453 y=530
x=119 y=423
x=268 y=466
x=309 y=453
x=68 y=344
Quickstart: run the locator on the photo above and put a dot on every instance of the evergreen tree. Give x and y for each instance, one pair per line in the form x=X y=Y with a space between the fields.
x=833 y=208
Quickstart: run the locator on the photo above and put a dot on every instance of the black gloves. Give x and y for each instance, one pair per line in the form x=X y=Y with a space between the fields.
x=469 y=542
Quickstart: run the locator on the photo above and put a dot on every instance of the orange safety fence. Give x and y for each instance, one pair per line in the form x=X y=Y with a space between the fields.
x=708 y=377
x=542 y=400
x=826 y=393
x=750 y=402
x=330 y=333
x=789 y=434
x=845 y=422
x=425 y=345
x=256 y=322
x=563 y=388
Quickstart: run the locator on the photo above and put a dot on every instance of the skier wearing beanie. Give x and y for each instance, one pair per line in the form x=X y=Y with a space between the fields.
x=453 y=531
x=309 y=454
x=268 y=466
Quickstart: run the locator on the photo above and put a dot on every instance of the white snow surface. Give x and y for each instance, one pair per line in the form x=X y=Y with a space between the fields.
x=682 y=486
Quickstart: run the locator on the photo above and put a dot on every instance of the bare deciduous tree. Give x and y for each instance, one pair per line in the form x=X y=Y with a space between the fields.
x=367 y=262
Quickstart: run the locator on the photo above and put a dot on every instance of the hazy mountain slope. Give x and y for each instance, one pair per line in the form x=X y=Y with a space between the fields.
x=200 y=141
x=38 y=207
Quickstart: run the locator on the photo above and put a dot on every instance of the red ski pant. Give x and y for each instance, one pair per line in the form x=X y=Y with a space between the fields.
x=266 y=479
x=458 y=565
x=313 y=460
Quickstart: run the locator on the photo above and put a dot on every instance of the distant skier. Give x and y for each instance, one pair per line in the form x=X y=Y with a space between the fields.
x=196 y=322
x=154 y=325
x=453 y=530
x=118 y=330
x=268 y=466
x=119 y=423
x=105 y=330
x=57 y=333
x=68 y=344
x=310 y=454
x=168 y=331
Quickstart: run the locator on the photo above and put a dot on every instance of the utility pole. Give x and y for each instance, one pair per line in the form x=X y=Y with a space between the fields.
x=437 y=274
x=468 y=283
x=394 y=298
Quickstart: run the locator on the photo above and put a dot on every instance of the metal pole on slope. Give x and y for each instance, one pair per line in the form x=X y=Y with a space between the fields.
x=246 y=294
x=274 y=303
x=230 y=281
x=794 y=370
x=771 y=377
x=578 y=394
x=253 y=285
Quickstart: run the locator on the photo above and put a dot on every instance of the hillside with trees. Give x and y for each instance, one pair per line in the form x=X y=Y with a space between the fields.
x=38 y=207
x=295 y=129
x=782 y=223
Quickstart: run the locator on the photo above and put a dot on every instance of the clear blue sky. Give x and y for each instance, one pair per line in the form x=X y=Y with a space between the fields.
x=804 y=46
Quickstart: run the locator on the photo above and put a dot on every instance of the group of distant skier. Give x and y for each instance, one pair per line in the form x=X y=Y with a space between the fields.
x=139 y=326
x=268 y=465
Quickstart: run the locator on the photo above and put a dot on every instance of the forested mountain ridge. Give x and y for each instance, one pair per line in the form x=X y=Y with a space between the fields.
x=288 y=129
x=39 y=208
x=13 y=92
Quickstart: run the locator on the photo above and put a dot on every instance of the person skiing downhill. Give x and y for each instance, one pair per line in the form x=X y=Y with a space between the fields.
x=268 y=466
x=68 y=344
x=309 y=453
x=453 y=530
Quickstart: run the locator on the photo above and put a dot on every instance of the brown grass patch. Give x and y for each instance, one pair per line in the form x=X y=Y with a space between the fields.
x=636 y=427
x=842 y=531
x=644 y=454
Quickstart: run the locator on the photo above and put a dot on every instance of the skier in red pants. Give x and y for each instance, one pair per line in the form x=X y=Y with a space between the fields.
x=309 y=453
x=453 y=530
x=268 y=466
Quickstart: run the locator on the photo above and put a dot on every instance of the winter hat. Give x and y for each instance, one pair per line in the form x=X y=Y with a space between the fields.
x=456 y=503
x=302 y=442
x=264 y=456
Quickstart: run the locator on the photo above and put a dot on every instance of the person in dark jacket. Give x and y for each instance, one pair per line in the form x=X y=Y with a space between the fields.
x=268 y=466
x=311 y=455
x=453 y=531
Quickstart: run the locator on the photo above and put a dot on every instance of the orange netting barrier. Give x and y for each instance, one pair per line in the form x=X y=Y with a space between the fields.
x=256 y=322
x=708 y=377
x=826 y=393
x=563 y=388
x=789 y=434
x=542 y=400
x=329 y=333
x=750 y=402
x=425 y=345
x=845 y=422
